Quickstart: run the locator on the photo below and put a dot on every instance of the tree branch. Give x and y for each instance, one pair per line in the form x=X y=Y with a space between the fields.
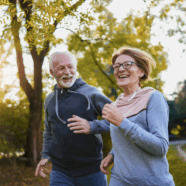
x=15 y=26
x=93 y=56
x=56 y=22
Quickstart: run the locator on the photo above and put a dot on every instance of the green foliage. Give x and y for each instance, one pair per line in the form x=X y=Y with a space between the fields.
x=181 y=98
x=177 y=119
x=94 y=47
x=169 y=12
x=40 y=19
x=13 y=125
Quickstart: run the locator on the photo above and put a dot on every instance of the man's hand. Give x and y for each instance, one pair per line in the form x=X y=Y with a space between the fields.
x=106 y=162
x=79 y=125
x=40 y=166
x=112 y=114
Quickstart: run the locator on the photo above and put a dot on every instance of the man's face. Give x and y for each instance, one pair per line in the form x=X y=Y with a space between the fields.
x=63 y=70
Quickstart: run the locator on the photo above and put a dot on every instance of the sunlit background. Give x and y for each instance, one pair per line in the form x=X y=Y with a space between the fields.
x=176 y=57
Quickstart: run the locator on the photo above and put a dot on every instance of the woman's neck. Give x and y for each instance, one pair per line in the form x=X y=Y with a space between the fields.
x=130 y=90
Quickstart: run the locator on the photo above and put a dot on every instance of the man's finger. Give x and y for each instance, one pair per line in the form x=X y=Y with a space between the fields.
x=76 y=128
x=80 y=131
x=71 y=119
x=75 y=124
x=75 y=118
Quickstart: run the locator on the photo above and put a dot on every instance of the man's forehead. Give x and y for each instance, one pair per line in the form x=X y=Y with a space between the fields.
x=63 y=59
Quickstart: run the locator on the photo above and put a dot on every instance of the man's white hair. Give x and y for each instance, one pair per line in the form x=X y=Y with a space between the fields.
x=62 y=53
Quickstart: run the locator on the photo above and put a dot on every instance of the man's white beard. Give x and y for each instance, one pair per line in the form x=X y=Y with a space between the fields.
x=68 y=84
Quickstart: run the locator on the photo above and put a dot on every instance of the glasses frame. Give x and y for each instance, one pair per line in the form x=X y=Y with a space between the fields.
x=122 y=64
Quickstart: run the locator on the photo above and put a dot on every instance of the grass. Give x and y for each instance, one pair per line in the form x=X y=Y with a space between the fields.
x=24 y=176
x=177 y=166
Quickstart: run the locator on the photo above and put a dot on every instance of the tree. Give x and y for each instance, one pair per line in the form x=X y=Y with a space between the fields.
x=94 y=46
x=181 y=98
x=177 y=107
x=166 y=10
x=37 y=21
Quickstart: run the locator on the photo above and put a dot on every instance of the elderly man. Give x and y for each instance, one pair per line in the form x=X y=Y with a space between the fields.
x=72 y=139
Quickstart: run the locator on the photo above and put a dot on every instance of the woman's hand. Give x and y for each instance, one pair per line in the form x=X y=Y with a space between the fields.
x=112 y=114
x=106 y=162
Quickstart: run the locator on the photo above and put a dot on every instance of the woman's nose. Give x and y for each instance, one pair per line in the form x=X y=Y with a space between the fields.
x=121 y=68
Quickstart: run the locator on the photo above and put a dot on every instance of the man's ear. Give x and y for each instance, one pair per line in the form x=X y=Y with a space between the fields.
x=52 y=73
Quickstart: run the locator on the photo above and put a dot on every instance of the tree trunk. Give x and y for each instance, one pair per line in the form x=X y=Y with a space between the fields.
x=34 y=94
x=34 y=138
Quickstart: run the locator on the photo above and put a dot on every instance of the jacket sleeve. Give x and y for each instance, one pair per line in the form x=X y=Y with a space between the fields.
x=47 y=138
x=155 y=140
x=98 y=101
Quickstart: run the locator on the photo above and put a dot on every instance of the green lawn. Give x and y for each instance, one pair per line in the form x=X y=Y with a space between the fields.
x=177 y=166
x=24 y=176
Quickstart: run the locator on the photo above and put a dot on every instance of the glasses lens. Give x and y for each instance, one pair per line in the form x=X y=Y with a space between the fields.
x=127 y=65
x=116 y=66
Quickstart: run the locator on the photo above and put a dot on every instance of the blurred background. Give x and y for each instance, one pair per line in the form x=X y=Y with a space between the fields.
x=31 y=30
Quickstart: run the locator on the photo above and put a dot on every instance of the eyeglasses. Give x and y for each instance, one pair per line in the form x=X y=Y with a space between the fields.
x=125 y=65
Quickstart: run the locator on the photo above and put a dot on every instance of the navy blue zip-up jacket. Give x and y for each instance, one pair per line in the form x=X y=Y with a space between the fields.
x=74 y=154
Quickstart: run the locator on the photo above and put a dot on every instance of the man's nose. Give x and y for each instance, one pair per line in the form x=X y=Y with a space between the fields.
x=67 y=70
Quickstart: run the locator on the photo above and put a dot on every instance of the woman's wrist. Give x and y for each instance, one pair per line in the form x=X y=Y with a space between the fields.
x=120 y=120
x=112 y=156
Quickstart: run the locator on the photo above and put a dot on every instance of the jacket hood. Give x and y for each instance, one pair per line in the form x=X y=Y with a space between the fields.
x=79 y=82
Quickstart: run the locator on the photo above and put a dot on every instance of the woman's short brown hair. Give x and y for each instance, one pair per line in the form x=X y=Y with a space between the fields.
x=144 y=59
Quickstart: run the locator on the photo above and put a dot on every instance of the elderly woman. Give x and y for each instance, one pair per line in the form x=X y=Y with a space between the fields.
x=139 y=125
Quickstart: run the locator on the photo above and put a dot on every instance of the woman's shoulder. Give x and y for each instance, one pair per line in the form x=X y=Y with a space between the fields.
x=157 y=94
x=157 y=97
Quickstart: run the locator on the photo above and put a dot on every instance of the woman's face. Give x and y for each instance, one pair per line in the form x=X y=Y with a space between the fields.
x=127 y=77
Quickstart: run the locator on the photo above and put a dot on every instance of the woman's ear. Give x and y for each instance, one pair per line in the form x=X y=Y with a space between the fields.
x=142 y=73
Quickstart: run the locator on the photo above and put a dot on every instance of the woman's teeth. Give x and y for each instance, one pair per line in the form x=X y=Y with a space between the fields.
x=124 y=76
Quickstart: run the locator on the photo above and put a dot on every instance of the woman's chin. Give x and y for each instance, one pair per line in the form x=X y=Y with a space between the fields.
x=122 y=84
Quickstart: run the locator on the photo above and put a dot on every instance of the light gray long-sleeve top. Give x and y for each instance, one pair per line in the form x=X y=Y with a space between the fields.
x=140 y=144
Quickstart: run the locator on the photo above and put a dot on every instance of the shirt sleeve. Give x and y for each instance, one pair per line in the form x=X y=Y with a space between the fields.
x=98 y=101
x=155 y=140
x=112 y=152
x=47 y=139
